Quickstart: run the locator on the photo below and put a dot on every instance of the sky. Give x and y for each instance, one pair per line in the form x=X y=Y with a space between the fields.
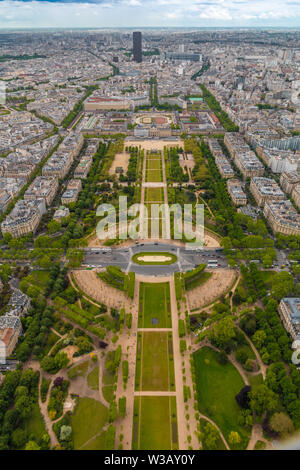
x=147 y=13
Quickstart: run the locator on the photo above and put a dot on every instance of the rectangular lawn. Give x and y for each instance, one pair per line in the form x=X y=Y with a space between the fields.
x=153 y=195
x=155 y=356
x=154 y=176
x=154 y=305
x=155 y=428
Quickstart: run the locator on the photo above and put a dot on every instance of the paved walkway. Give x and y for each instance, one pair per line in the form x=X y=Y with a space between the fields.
x=155 y=393
x=182 y=362
x=128 y=342
x=263 y=367
x=167 y=213
x=216 y=426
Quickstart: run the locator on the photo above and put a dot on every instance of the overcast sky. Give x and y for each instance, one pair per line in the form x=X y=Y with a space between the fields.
x=138 y=13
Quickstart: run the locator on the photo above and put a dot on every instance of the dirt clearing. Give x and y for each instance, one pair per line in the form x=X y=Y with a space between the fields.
x=217 y=285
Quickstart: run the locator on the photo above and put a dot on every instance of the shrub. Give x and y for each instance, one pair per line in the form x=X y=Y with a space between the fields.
x=125 y=368
x=182 y=346
x=128 y=320
x=110 y=437
x=181 y=328
x=122 y=407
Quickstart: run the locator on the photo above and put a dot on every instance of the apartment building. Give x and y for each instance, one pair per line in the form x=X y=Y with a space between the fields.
x=288 y=180
x=24 y=218
x=58 y=165
x=282 y=217
x=10 y=330
x=83 y=167
x=72 y=144
x=72 y=192
x=97 y=103
x=289 y=311
x=296 y=195
x=245 y=159
x=42 y=187
x=9 y=188
x=15 y=169
x=222 y=163
x=224 y=167
x=236 y=192
x=265 y=189
x=19 y=303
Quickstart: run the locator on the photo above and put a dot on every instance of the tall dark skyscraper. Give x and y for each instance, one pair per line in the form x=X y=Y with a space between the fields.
x=137 y=46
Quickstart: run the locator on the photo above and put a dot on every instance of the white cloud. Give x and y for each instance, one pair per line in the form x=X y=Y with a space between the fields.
x=134 y=13
x=216 y=13
x=133 y=3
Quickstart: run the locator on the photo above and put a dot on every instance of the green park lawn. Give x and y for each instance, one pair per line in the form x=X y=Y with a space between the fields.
x=109 y=379
x=34 y=424
x=255 y=380
x=154 y=303
x=155 y=426
x=154 y=156
x=93 y=379
x=155 y=357
x=98 y=443
x=154 y=176
x=154 y=195
x=38 y=279
x=88 y=420
x=153 y=170
x=79 y=370
x=153 y=164
x=217 y=386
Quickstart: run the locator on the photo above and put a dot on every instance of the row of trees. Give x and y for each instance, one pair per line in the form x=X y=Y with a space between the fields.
x=214 y=105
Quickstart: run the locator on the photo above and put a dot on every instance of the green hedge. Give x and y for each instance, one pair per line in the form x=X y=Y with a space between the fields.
x=193 y=275
x=181 y=328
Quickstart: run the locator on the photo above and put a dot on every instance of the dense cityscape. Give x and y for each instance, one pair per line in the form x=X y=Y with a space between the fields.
x=149 y=342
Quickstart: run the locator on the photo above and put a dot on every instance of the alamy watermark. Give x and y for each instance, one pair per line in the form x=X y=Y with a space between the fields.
x=152 y=220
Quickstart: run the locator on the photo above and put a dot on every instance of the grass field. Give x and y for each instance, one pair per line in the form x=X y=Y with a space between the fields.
x=93 y=379
x=153 y=163
x=255 y=380
x=35 y=424
x=109 y=379
x=154 y=195
x=155 y=423
x=155 y=366
x=96 y=444
x=217 y=386
x=38 y=279
x=154 y=305
x=154 y=170
x=154 y=176
x=136 y=257
x=79 y=370
x=88 y=420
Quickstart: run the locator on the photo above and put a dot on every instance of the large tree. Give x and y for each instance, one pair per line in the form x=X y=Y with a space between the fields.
x=263 y=399
x=222 y=333
x=282 y=424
